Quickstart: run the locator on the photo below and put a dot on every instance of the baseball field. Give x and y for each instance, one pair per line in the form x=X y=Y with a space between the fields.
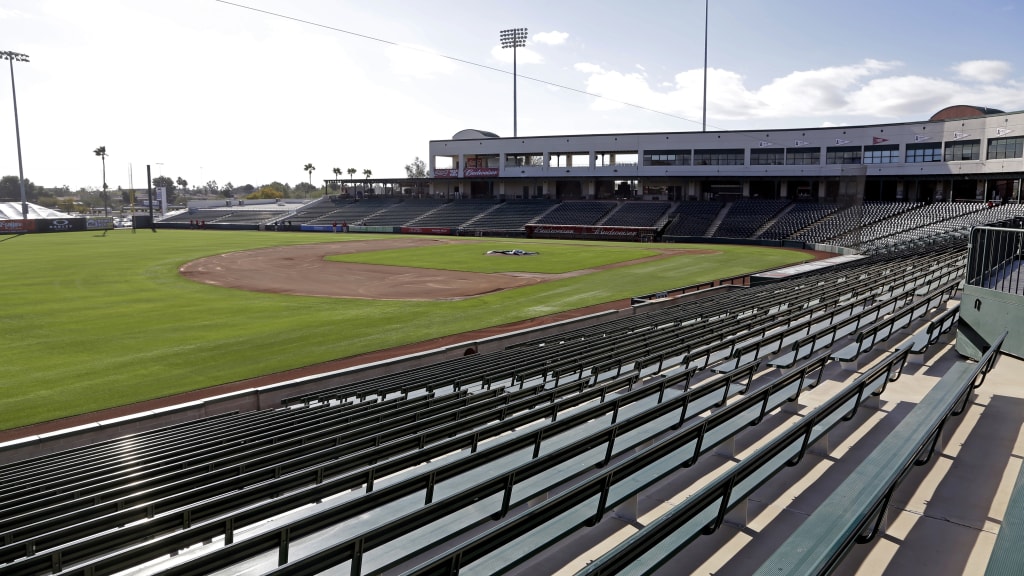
x=92 y=321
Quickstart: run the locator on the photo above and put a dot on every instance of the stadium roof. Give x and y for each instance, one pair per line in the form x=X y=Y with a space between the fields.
x=473 y=134
x=963 y=111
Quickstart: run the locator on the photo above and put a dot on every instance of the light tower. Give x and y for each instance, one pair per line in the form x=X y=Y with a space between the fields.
x=513 y=38
x=12 y=56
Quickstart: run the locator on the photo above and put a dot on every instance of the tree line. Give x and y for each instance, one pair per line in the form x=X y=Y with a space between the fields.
x=178 y=189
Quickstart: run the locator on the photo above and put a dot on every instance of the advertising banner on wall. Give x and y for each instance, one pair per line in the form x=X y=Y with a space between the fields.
x=99 y=223
x=55 y=225
x=587 y=232
x=414 y=230
x=480 y=172
x=17 y=226
x=60 y=225
x=371 y=229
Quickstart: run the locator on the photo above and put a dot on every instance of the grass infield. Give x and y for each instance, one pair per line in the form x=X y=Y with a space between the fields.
x=93 y=321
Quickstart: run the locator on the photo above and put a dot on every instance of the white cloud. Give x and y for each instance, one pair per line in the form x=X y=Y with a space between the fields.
x=523 y=55
x=861 y=90
x=587 y=68
x=983 y=70
x=553 y=38
x=419 y=62
x=900 y=96
x=12 y=14
x=825 y=90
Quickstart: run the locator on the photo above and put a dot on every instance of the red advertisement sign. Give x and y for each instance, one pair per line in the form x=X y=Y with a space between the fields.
x=17 y=226
x=446 y=173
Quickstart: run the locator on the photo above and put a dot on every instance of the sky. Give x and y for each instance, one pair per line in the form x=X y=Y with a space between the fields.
x=250 y=91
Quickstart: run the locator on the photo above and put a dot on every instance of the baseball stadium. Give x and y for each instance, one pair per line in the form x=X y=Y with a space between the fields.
x=744 y=352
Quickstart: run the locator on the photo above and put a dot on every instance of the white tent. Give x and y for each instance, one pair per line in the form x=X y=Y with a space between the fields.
x=12 y=211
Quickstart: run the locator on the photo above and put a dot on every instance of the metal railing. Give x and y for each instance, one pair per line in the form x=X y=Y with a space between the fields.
x=994 y=258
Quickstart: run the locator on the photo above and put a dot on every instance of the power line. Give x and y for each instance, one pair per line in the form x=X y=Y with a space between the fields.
x=452 y=58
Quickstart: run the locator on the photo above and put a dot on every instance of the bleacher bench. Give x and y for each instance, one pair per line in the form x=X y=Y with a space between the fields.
x=860 y=502
x=1008 y=553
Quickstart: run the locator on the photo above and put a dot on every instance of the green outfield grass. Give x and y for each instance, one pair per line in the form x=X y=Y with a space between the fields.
x=91 y=322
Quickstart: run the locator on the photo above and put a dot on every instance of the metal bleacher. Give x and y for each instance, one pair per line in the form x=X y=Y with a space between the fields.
x=642 y=214
x=454 y=214
x=855 y=512
x=578 y=212
x=693 y=218
x=706 y=510
x=512 y=215
x=746 y=216
x=400 y=213
x=461 y=465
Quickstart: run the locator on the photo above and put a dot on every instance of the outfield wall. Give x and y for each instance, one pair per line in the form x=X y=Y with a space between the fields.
x=38 y=225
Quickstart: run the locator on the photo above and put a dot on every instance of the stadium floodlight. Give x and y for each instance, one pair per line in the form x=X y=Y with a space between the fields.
x=12 y=57
x=513 y=38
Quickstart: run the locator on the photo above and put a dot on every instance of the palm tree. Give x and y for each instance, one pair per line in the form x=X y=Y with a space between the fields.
x=337 y=175
x=309 y=168
x=102 y=153
x=366 y=174
x=351 y=171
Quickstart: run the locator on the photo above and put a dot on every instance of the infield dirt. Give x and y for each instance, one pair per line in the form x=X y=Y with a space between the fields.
x=304 y=270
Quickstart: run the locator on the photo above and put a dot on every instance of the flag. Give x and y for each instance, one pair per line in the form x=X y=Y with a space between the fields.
x=841 y=141
x=877 y=140
x=802 y=143
x=1003 y=131
x=960 y=135
x=764 y=144
x=920 y=138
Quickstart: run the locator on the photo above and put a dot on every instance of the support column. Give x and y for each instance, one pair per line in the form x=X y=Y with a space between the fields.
x=693 y=190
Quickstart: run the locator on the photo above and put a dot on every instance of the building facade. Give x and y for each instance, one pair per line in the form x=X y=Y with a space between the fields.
x=962 y=153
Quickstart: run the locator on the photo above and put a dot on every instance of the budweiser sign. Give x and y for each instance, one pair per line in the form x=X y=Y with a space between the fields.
x=474 y=172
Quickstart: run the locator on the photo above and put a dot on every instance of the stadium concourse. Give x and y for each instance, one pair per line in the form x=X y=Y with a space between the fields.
x=732 y=430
